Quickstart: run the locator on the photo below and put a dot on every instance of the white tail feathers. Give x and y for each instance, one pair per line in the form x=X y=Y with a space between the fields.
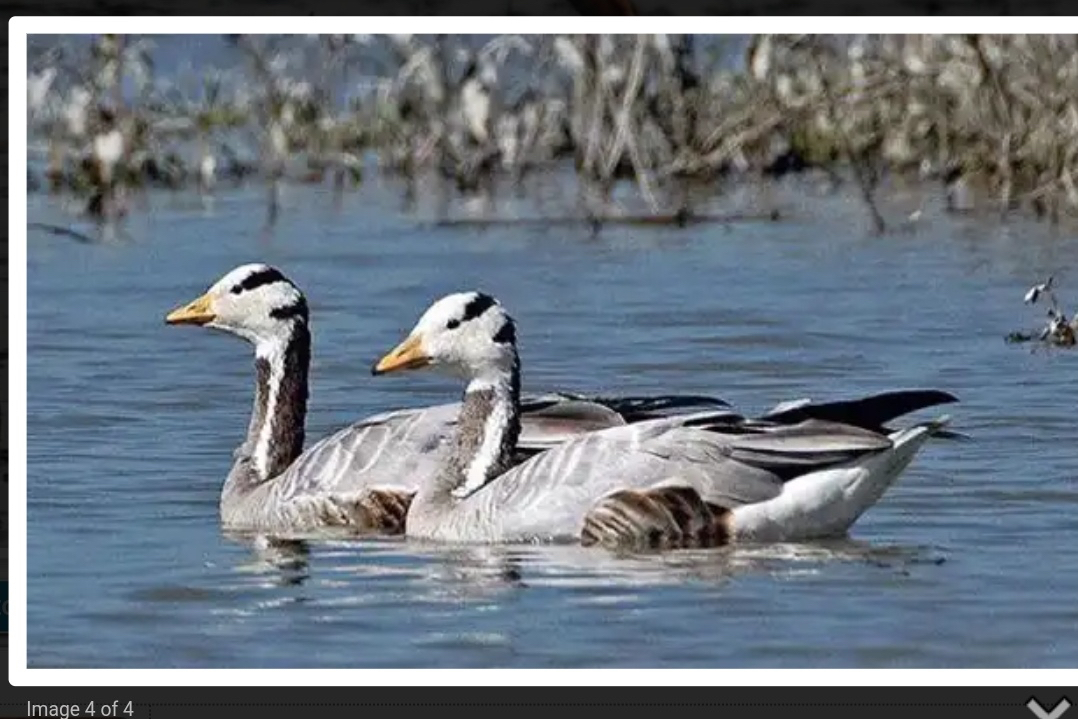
x=827 y=503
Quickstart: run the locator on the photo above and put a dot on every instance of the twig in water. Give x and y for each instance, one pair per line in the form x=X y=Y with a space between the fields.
x=681 y=218
x=62 y=231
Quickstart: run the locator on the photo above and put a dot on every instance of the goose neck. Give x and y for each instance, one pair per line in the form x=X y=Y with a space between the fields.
x=487 y=432
x=276 y=432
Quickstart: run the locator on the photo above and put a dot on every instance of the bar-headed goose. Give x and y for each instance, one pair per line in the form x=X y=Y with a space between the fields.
x=701 y=479
x=362 y=477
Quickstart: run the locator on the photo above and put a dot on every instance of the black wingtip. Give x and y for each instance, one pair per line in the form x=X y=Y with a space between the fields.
x=918 y=398
x=942 y=396
x=872 y=412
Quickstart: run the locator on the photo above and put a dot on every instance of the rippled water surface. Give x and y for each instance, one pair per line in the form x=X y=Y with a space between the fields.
x=970 y=560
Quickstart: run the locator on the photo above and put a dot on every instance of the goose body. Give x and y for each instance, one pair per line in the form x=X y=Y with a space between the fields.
x=362 y=477
x=550 y=497
x=802 y=471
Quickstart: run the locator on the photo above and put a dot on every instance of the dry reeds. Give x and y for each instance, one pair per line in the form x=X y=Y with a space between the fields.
x=992 y=120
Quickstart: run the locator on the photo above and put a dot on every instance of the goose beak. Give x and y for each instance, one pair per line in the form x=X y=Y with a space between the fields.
x=408 y=354
x=198 y=312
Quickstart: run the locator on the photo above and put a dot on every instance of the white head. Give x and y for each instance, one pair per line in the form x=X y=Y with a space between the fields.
x=466 y=334
x=255 y=302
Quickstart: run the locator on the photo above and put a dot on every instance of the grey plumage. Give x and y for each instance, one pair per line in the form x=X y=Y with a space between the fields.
x=548 y=497
x=362 y=477
x=802 y=471
x=400 y=450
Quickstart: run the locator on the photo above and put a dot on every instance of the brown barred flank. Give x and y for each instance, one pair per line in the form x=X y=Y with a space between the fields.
x=659 y=518
x=384 y=510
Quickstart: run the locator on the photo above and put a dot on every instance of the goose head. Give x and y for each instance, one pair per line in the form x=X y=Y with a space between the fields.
x=467 y=335
x=255 y=302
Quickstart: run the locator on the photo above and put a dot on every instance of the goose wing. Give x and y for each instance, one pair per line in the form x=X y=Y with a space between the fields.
x=728 y=463
x=551 y=419
x=400 y=449
x=403 y=449
x=872 y=412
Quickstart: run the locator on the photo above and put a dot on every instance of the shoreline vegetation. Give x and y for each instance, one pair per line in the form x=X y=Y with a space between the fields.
x=992 y=121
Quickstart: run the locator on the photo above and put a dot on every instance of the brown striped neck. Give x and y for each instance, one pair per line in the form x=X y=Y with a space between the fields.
x=486 y=436
x=275 y=434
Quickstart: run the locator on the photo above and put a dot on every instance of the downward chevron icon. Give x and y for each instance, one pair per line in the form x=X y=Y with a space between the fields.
x=1061 y=706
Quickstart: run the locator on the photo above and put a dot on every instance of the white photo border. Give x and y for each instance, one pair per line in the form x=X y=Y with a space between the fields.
x=20 y=675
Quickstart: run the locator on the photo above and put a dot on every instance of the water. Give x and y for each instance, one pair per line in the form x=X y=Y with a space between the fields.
x=970 y=560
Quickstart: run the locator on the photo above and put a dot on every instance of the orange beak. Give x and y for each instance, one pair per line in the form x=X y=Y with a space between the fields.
x=408 y=354
x=197 y=312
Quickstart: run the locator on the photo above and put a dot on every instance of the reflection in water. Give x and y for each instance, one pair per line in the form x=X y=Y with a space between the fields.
x=285 y=559
x=441 y=573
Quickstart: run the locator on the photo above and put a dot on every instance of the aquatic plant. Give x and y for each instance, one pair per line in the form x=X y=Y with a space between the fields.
x=1059 y=331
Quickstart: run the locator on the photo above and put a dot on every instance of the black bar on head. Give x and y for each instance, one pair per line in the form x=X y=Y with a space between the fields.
x=257 y=279
x=477 y=306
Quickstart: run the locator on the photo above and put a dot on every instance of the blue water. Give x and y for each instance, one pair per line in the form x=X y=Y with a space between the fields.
x=970 y=560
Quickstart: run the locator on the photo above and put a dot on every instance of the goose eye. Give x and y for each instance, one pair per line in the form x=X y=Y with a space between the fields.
x=452 y=324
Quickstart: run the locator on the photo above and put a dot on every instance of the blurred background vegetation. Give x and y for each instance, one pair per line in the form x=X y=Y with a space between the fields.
x=991 y=121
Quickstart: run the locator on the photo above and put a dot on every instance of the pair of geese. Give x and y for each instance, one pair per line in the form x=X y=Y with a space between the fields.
x=650 y=471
